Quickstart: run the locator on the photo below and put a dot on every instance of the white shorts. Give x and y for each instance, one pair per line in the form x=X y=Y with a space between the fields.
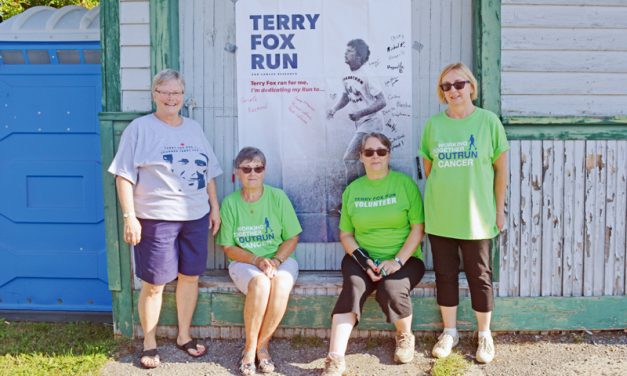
x=241 y=273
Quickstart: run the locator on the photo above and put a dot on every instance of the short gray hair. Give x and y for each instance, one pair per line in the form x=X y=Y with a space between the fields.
x=379 y=136
x=165 y=76
x=249 y=153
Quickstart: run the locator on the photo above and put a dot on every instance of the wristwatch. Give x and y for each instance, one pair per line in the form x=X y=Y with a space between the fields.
x=399 y=261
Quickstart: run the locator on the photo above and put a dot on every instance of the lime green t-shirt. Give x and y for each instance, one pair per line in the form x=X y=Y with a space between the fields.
x=380 y=213
x=459 y=193
x=260 y=226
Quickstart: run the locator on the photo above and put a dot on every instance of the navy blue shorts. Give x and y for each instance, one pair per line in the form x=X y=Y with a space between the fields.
x=171 y=247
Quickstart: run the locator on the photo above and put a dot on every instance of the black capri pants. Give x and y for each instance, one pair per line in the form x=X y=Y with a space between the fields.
x=477 y=267
x=392 y=291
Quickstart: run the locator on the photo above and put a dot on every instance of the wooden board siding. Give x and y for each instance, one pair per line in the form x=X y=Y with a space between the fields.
x=135 y=55
x=441 y=33
x=564 y=58
x=566 y=230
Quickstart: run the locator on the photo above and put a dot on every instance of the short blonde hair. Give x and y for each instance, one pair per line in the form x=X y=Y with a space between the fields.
x=165 y=76
x=464 y=71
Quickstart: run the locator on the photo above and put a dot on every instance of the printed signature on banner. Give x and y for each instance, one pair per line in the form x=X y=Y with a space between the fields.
x=374 y=63
x=391 y=124
x=302 y=109
x=398 y=141
x=399 y=67
x=253 y=104
x=391 y=81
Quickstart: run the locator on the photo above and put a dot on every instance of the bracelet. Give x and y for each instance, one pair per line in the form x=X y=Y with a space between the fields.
x=278 y=259
x=397 y=259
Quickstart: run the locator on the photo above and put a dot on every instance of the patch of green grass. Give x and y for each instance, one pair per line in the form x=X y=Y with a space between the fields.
x=302 y=342
x=453 y=365
x=55 y=348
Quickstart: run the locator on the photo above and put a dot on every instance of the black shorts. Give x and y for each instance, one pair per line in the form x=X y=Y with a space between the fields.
x=393 y=291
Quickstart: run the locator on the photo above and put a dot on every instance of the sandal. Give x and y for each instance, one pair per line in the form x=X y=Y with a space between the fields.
x=265 y=365
x=151 y=355
x=247 y=368
x=191 y=345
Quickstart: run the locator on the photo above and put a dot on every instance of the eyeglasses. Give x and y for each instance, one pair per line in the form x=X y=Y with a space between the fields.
x=380 y=152
x=248 y=170
x=458 y=85
x=169 y=93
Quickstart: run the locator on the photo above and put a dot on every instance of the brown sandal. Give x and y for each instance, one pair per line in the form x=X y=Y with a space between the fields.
x=152 y=355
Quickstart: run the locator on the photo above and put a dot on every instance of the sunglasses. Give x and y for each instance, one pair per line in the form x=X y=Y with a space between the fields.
x=380 y=152
x=458 y=85
x=248 y=170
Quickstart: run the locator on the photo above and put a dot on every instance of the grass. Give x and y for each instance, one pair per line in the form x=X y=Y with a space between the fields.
x=452 y=365
x=302 y=342
x=55 y=348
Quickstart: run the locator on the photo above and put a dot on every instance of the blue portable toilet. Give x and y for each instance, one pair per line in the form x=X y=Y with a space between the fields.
x=52 y=237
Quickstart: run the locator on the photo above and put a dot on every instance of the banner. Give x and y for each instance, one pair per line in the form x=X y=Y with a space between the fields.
x=312 y=76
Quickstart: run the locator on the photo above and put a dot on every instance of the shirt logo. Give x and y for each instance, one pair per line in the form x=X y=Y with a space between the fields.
x=457 y=154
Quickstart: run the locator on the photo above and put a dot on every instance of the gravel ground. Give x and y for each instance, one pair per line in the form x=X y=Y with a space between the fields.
x=576 y=353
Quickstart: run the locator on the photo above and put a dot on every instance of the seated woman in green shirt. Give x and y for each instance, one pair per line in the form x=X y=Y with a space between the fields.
x=259 y=234
x=381 y=227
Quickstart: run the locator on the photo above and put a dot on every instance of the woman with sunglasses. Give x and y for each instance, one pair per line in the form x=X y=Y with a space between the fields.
x=165 y=170
x=381 y=227
x=464 y=150
x=259 y=234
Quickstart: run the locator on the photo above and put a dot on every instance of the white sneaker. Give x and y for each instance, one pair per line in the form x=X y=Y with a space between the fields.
x=445 y=344
x=485 y=350
x=334 y=366
x=405 y=344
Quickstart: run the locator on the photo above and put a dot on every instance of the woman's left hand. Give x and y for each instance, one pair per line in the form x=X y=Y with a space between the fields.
x=390 y=267
x=214 y=222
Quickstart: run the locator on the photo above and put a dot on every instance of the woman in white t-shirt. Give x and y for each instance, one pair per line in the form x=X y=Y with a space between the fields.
x=165 y=170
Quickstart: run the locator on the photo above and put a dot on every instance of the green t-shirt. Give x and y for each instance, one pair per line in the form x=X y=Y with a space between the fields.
x=260 y=226
x=459 y=194
x=380 y=213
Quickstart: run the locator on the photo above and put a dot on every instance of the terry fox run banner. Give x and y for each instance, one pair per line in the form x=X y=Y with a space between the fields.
x=313 y=76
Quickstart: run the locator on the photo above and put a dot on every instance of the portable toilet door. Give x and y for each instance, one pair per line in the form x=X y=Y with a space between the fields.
x=52 y=237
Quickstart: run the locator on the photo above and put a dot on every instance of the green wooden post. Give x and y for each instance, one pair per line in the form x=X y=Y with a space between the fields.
x=110 y=44
x=164 y=35
x=487 y=39
x=118 y=253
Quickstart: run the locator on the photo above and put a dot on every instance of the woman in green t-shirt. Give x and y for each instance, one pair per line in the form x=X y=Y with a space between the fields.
x=259 y=234
x=381 y=227
x=464 y=150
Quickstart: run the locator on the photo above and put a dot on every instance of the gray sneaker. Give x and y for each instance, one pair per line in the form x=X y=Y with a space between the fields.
x=334 y=366
x=405 y=343
x=485 y=350
x=445 y=345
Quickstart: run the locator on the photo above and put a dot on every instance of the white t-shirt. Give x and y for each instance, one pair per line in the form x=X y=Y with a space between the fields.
x=362 y=89
x=169 y=168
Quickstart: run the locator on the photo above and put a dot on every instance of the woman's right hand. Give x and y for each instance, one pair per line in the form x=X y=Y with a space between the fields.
x=132 y=230
x=372 y=271
x=266 y=266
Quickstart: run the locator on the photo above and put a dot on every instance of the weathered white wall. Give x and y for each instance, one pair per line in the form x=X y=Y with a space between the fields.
x=441 y=34
x=564 y=57
x=135 y=55
x=566 y=211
